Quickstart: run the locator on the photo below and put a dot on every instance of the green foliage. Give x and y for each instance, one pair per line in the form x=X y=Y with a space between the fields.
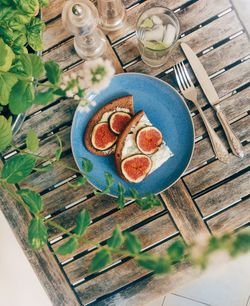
x=7 y=81
x=121 y=197
x=21 y=97
x=37 y=233
x=68 y=247
x=159 y=265
x=34 y=30
x=6 y=57
x=28 y=7
x=53 y=72
x=109 y=183
x=176 y=250
x=87 y=165
x=58 y=152
x=5 y=133
x=81 y=180
x=44 y=97
x=82 y=222
x=32 y=199
x=32 y=142
x=116 y=239
x=100 y=260
x=241 y=243
x=132 y=243
x=17 y=168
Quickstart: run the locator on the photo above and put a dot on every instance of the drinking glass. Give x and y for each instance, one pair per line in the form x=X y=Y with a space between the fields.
x=157 y=31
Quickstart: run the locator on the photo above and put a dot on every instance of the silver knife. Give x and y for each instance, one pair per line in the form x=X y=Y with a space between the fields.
x=213 y=98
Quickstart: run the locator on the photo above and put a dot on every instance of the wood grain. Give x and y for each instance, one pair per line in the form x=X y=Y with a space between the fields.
x=149 y=234
x=43 y=261
x=230 y=219
x=101 y=230
x=184 y=212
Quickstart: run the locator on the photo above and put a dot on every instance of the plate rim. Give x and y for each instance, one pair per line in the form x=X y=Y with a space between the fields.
x=185 y=105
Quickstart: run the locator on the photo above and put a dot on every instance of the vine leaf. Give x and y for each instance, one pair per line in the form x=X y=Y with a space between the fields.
x=37 y=233
x=82 y=222
x=132 y=244
x=58 y=152
x=5 y=133
x=53 y=72
x=116 y=239
x=17 y=168
x=21 y=97
x=68 y=247
x=100 y=261
x=121 y=197
x=159 y=264
x=87 y=165
x=176 y=250
x=32 y=199
x=32 y=141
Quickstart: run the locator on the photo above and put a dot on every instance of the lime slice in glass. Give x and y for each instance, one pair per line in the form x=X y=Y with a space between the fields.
x=147 y=23
x=155 y=45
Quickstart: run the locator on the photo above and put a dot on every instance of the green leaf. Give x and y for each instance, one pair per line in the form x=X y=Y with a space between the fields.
x=44 y=169
x=29 y=7
x=100 y=261
x=32 y=141
x=109 y=179
x=148 y=201
x=17 y=168
x=82 y=222
x=68 y=247
x=121 y=197
x=5 y=133
x=241 y=243
x=176 y=250
x=159 y=264
x=21 y=97
x=32 y=199
x=7 y=81
x=53 y=72
x=133 y=244
x=37 y=233
x=37 y=65
x=87 y=165
x=6 y=57
x=58 y=152
x=134 y=193
x=44 y=97
x=43 y=3
x=116 y=239
x=34 y=33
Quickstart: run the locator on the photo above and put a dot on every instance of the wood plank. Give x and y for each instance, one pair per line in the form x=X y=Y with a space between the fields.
x=128 y=50
x=149 y=234
x=224 y=195
x=230 y=219
x=184 y=212
x=215 y=172
x=42 y=261
x=102 y=229
x=115 y=278
x=203 y=150
x=198 y=40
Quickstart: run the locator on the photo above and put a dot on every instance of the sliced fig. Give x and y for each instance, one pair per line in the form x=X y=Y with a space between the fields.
x=136 y=167
x=118 y=121
x=102 y=137
x=148 y=139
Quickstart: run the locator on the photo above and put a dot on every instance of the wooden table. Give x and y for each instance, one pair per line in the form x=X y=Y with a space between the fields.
x=210 y=198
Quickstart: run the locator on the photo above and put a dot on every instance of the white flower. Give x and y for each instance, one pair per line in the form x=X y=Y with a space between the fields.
x=86 y=109
x=76 y=97
x=69 y=93
x=97 y=74
x=93 y=103
x=63 y=86
x=75 y=89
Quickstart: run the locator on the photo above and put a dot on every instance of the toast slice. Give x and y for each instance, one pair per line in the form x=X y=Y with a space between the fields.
x=122 y=104
x=128 y=150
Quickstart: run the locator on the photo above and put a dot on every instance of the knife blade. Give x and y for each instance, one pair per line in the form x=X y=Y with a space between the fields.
x=213 y=98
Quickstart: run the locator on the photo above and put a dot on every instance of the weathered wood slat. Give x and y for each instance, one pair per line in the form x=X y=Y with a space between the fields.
x=199 y=40
x=115 y=278
x=215 y=172
x=102 y=229
x=224 y=195
x=42 y=261
x=203 y=150
x=149 y=234
x=230 y=219
x=184 y=212
x=128 y=50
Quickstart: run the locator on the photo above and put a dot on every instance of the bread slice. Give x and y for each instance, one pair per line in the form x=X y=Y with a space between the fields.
x=125 y=102
x=121 y=141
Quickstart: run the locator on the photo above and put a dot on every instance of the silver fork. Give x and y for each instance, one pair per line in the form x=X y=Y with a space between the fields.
x=190 y=93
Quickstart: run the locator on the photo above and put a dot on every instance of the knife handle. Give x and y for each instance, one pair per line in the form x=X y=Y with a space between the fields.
x=218 y=146
x=233 y=140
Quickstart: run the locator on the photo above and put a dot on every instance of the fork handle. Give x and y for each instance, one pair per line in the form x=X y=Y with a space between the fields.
x=219 y=148
x=233 y=140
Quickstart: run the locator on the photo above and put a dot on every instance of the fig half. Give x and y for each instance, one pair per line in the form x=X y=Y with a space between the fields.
x=118 y=121
x=102 y=137
x=148 y=139
x=136 y=167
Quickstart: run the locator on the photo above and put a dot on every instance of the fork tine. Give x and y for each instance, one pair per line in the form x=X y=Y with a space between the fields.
x=178 y=78
x=184 y=76
x=181 y=76
x=187 y=75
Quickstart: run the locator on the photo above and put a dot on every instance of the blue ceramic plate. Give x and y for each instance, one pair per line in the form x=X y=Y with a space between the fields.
x=166 y=110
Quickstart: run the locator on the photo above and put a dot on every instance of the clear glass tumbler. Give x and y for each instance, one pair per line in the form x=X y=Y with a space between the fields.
x=157 y=31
